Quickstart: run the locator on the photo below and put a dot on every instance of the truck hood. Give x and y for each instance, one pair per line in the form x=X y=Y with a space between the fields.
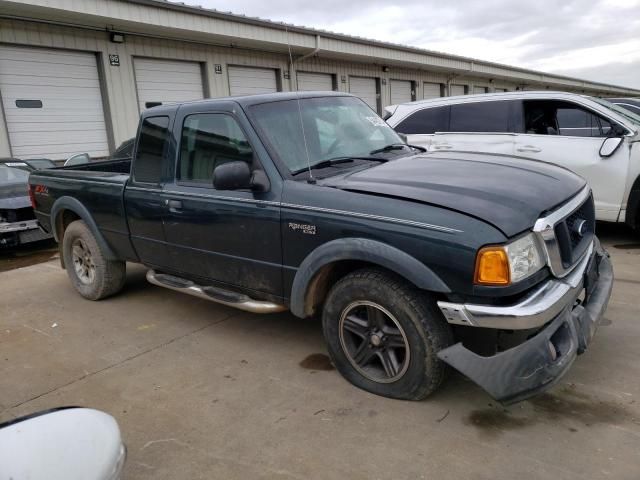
x=508 y=192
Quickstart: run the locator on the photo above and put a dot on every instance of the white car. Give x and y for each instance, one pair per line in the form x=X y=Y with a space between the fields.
x=594 y=138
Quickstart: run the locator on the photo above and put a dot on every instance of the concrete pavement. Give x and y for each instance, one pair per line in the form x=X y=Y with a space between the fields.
x=202 y=391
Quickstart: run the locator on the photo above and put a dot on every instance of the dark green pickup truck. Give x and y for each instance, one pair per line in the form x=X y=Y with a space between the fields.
x=310 y=202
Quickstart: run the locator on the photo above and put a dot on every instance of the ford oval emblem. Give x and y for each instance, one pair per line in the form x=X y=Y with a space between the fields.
x=580 y=227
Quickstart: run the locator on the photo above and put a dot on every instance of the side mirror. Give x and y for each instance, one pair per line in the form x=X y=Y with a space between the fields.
x=610 y=145
x=237 y=175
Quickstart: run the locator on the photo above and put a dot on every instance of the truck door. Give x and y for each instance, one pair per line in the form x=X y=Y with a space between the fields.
x=570 y=135
x=142 y=195
x=227 y=236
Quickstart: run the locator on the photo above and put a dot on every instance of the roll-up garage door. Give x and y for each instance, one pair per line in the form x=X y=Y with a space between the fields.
x=457 y=90
x=431 y=90
x=366 y=89
x=400 y=91
x=252 y=80
x=310 y=82
x=167 y=81
x=52 y=103
x=480 y=90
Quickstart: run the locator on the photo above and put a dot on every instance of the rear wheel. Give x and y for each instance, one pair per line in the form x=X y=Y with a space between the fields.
x=91 y=273
x=383 y=335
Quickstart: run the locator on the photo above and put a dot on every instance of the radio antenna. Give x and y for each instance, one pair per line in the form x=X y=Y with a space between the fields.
x=304 y=137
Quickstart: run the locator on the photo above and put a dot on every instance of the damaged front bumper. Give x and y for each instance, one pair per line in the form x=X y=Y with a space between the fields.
x=538 y=363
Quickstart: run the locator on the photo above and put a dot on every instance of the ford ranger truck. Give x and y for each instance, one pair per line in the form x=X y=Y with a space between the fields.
x=310 y=202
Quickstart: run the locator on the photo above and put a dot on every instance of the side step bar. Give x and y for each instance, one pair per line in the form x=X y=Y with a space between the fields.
x=213 y=294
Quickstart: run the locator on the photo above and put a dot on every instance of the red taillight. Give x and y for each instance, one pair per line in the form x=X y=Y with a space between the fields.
x=32 y=197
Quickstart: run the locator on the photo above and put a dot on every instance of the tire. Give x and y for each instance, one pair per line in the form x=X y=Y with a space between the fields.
x=366 y=318
x=91 y=274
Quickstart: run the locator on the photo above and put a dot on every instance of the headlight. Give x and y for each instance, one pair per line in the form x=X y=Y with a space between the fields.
x=507 y=264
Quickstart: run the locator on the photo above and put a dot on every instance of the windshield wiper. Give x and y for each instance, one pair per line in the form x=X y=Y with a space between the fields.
x=335 y=161
x=396 y=146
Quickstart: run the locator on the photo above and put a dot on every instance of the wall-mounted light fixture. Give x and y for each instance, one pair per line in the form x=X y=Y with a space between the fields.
x=385 y=68
x=117 y=37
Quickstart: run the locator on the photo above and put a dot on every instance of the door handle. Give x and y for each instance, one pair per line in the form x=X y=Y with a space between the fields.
x=173 y=205
x=529 y=148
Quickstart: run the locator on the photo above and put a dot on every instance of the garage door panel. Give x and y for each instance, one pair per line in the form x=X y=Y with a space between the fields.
x=251 y=80
x=310 y=82
x=400 y=91
x=71 y=118
x=431 y=90
x=366 y=89
x=457 y=90
x=167 y=81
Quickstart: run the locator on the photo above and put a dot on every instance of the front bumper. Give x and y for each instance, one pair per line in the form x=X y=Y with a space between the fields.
x=538 y=363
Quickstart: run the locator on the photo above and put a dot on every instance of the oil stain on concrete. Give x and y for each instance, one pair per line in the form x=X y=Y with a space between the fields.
x=317 y=361
x=565 y=405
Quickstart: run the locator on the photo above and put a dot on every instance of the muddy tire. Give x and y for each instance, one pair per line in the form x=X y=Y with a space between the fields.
x=91 y=274
x=383 y=335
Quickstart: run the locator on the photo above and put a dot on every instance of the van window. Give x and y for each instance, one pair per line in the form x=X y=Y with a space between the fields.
x=209 y=140
x=426 y=121
x=487 y=117
x=148 y=163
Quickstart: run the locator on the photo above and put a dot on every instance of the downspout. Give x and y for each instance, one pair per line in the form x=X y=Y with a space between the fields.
x=306 y=55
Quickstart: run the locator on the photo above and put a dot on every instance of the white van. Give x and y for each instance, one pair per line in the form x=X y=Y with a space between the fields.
x=588 y=135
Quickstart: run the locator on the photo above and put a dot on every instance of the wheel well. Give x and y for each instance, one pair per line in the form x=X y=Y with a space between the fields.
x=633 y=206
x=327 y=276
x=62 y=221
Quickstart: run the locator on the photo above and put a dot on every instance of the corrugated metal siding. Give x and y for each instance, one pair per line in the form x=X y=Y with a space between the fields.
x=166 y=81
x=251 y=80
x=71 y=117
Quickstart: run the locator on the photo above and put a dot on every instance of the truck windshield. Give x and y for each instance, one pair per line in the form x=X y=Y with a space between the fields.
x=334 y=128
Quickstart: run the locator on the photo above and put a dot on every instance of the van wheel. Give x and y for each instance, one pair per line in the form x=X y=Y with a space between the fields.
x=91 y=274
x=383 y=335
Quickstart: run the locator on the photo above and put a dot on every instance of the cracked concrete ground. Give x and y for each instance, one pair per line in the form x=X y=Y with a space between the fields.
x=204 y=391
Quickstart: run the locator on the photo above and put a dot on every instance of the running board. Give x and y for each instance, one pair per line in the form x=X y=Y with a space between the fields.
x=213 y=294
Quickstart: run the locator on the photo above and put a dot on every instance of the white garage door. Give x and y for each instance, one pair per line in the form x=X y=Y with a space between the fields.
x=315 y=82
x=52 y=103
x=167 y=81
x=400 y=91
x=252 y=81
x=365 y=88
x=456 y=90
x=479 y=90
x=431 y=90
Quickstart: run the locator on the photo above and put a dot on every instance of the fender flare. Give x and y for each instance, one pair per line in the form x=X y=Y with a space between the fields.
x=361 y=249
x=74 y=205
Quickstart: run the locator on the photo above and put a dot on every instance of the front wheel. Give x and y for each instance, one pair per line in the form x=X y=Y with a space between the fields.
x=91 y=273
x=383 y=335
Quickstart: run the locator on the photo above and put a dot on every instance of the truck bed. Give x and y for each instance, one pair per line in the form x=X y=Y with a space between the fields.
x=98 y=188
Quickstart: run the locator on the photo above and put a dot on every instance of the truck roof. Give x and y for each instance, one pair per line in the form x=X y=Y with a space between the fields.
x=245 y=101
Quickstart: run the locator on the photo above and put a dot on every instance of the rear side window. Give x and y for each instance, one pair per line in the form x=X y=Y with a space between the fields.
x=148 y=164
x=210 y=140
x=487 y=117
x=427 y=121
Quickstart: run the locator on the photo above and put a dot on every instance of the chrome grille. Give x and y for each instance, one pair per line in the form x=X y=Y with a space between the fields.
x=567 y=232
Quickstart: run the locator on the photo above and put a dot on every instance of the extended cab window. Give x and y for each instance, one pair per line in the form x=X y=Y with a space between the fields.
x=489 y=117
x=148 y=163
x=426 y=121
x=209 y=140
x=552 y=117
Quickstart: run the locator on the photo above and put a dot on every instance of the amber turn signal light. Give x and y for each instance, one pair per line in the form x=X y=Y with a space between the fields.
x=492 y=267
